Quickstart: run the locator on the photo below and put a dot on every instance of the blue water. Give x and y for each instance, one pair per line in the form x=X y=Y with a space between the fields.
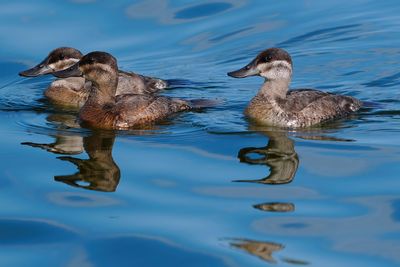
x=204 y=188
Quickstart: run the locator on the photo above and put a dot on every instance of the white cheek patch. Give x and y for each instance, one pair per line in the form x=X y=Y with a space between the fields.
x=278 y=69
x=63 y=64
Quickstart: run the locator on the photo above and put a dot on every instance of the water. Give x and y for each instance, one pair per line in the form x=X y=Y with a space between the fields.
x=204 y=188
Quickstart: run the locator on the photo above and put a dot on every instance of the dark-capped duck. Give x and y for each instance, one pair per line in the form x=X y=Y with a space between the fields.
x=103 y=109
x=276 y=105
x=73 y=91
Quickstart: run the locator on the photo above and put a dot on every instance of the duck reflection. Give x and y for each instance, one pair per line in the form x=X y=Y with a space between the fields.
x=263 y=250
x=279 y=155
x=65 y=143
x=98 y=172
x=275 y=207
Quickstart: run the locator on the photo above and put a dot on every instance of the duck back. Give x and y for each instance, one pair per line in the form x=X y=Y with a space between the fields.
x=139 y=110
x=132 y=83
x=301 y=108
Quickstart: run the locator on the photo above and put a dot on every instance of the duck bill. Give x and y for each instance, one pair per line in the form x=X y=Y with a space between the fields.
x=246 y=71
x=40 y=69
x=72 y=71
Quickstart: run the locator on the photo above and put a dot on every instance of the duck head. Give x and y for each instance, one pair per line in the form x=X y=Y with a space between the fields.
x=58 y=59
x=272 y=64
x=97 y=67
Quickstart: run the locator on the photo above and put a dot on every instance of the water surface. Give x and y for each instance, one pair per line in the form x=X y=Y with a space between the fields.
x=204 y=188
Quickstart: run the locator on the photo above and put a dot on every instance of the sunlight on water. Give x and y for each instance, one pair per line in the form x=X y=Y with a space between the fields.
x=204 y=188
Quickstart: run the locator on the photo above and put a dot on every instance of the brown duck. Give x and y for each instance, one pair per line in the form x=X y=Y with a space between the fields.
x=73 y=91
x=103 y=109
x=276 y=105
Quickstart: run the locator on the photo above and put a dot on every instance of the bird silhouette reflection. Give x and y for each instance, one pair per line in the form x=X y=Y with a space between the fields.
x=262 y=250
x=278 y=155
x=98 y=172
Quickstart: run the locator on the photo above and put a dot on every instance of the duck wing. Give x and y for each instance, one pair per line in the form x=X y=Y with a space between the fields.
x=132 y=83
x=297 y=100
x=140 y=110
x=313 y=106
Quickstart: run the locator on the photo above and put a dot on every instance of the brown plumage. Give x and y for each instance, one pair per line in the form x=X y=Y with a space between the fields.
x=74 y=91
x=105 y=110
x=275 y=105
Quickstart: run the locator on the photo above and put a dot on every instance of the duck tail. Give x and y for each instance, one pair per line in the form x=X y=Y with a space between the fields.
x=203 y=103
x=160 y=84
x=154 y=82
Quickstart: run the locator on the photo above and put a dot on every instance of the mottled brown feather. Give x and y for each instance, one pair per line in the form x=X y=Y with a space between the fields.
x=275 y=105
x=105 y=110
x=72 y=91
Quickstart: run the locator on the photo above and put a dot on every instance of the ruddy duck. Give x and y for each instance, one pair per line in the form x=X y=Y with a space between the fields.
x=103 y=109
x=275 y=105
x=73 y=91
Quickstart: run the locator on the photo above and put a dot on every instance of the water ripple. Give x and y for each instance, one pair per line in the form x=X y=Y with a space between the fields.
x=321 y=34
x=387 y=81
x=202 y=10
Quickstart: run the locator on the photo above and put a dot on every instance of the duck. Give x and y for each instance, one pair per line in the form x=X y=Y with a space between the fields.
x=74 y=91
x=276 y=105
x=105 y=110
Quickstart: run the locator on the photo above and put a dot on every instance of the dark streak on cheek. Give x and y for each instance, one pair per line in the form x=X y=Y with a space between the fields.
x=268 y=68
x=280 y=66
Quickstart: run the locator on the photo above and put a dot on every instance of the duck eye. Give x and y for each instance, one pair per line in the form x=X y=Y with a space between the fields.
x=89 y=60
x=268 y=58
x=62 y=56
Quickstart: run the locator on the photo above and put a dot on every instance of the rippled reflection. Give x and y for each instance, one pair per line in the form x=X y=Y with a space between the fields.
x=356 y=233
x=263 y=250
x=170 y=14
x=279 y=156
x=65 y=143
x=98 y=172
x=275 y=207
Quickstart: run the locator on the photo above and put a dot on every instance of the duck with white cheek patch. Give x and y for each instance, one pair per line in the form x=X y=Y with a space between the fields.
x=74 y=91
x=276 y=105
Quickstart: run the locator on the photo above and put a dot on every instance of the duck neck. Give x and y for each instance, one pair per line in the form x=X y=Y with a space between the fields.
x=103 y=92
x=276 y=88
